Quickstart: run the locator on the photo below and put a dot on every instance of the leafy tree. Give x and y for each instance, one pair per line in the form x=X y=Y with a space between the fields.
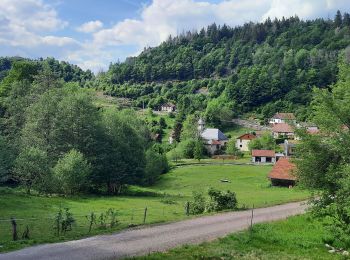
x=231 y=148
x=187 y=147
x=32 y=168
x=323 y=160
x=218 y=112
x=265 y=142
x=21 y=71
x=72 y=172
x=190 y=128
x=6 y=160
x=156 y=164
x=162 y=123
x=198 y=150
x=120 y=156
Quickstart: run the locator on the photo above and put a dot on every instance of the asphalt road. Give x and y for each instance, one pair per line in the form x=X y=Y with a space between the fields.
x=155 y=238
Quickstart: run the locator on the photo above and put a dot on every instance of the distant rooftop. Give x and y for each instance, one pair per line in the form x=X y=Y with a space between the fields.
x=283 y=170
x=213 y=134
x=263 y=153
x=247 y=137
x=282 y=128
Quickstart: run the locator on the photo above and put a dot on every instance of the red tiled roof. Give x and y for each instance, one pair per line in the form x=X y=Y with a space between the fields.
x=283 y=170
x=287 y=116
x=247 y=137
x=282 y=128
x=263 y=153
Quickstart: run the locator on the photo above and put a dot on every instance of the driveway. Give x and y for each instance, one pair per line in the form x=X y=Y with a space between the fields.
x=143 y=240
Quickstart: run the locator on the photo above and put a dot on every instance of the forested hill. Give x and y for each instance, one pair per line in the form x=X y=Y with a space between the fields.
x=258 y=63
x=64 y=70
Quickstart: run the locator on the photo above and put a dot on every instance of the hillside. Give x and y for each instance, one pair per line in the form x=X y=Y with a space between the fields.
x=271 y=65
x=64 y=70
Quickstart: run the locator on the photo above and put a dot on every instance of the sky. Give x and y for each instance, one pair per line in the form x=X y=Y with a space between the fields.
x=94 y=33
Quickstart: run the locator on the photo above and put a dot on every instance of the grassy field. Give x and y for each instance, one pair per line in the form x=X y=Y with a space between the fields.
x=297 y=237
x=164 y=201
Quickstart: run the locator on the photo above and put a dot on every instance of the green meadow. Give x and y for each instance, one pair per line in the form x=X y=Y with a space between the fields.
x=298 y=237
x=164 y=201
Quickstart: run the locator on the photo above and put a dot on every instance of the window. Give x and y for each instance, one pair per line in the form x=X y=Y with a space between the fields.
x=241 y=146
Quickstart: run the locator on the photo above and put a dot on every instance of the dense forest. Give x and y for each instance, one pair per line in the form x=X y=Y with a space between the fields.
x=264 y=67
x=55 y=139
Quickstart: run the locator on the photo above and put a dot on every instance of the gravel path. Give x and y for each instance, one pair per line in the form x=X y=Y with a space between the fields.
x=155 y=238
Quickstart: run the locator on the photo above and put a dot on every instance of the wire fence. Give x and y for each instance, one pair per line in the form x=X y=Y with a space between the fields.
x=44 y=228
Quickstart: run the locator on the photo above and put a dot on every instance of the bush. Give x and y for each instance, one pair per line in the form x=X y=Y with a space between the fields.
x=187 y=148
x=72 y=172
x=217 y=201
x=221 y=200
x=197 y=206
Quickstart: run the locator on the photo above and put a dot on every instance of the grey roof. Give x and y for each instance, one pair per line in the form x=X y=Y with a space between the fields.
x=213 y=134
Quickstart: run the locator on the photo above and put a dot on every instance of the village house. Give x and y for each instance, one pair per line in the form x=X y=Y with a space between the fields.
x=242 y=142
x=214 y=140
x=282 y=173
x=283 y=118
x=263 y=156
x=168 y=107
x=283 y=130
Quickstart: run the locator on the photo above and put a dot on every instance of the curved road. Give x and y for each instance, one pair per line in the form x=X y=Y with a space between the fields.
x=156 y=238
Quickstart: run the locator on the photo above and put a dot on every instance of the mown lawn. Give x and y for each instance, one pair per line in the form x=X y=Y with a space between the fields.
x=164 y=201
x=298 y=237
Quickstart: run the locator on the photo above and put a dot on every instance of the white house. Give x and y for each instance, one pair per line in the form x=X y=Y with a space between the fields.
x=213 y=138
x=279 y=118
x=263 y=156
x=242 y=142
x=168 y=107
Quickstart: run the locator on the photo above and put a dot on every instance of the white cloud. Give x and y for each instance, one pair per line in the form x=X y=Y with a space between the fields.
x=29 y=26
x=90 y=27
x=23 y=23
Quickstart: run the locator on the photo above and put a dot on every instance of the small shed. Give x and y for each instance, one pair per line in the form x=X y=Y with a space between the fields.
x=263 y=156
x=282 y=173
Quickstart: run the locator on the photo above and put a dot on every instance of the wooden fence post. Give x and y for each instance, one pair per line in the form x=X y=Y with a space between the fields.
x=188 y=208
x=14 y=229
x=144 y=216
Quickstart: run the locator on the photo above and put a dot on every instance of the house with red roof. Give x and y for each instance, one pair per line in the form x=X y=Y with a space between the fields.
x=283 y=130
x=263 y=156
x=282 y=173
x=242 y=142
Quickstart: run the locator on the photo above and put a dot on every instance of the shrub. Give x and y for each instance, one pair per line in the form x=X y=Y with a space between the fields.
x=31 y=168
x=72 y=172
x=63 y=221
x=197 y=206
x=221 y=200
